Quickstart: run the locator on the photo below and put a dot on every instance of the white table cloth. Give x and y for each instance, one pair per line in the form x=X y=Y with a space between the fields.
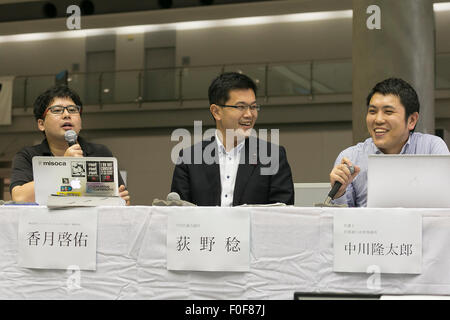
x=291 y=250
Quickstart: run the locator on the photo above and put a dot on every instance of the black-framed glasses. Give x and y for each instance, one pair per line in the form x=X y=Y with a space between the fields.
x=243 y=107
x=60 y=110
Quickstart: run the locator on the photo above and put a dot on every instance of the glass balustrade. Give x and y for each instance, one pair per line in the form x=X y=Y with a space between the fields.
x=256 y=72
x=191 y=83
x=194 y=81
x=289 y=79
x=443 y=71
x=332 y=77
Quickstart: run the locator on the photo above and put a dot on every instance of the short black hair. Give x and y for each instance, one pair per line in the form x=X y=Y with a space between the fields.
x=400 y=88
x=219 y=90
x=58 y=91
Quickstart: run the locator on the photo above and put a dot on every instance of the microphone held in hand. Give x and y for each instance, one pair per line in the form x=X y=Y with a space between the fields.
x=337 y=185
x=71 y=137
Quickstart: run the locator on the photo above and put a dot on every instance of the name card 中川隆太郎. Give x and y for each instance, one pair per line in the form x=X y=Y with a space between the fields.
x=391 y=241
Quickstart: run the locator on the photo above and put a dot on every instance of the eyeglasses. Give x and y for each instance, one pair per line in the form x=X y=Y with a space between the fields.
x=60 y=110
x=244 y=107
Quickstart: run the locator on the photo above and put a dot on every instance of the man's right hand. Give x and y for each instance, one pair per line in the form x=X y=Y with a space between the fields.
x=74 y=151
x=342 y=174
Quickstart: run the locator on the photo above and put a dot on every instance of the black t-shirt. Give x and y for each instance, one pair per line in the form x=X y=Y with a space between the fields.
x=22 y=167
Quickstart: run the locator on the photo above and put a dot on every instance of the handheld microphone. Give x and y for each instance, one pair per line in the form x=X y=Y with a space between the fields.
x=173 y=196
x=71 y=137
x=337 y=185
x=173 y=199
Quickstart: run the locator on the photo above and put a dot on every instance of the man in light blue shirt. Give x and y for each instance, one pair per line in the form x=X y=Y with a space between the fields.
x=392 y=114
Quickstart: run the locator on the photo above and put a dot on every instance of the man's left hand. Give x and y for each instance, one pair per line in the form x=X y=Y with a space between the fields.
x=123 y=193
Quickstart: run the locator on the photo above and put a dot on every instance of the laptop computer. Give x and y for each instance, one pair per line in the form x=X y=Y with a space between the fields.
x=409 y=181
x=74 y=176
x=335 y=296
x=308 y=194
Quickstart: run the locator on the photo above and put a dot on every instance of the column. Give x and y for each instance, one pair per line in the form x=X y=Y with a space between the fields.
x=403 y=47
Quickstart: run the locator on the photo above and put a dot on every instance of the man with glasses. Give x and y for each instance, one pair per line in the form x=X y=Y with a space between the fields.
x=57 y=110
x=236 y=175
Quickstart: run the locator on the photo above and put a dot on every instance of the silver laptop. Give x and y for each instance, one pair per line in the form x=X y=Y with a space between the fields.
x=409 y=181
x=308 y=194
x=73 y=176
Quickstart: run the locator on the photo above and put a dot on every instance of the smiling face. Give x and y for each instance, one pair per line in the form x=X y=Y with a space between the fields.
x=227 y=118
x=56 y=125
x=386 y=123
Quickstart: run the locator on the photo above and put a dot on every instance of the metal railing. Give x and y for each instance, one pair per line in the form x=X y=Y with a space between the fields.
x=300 y=78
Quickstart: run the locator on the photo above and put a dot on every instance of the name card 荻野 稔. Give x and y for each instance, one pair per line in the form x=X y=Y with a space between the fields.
x=64 y=239
x=390 y=241
x=208 y=239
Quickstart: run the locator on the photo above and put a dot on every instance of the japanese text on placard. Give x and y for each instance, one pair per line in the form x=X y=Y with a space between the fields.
x=378 y=249
x=59 y=239
x=208 y=243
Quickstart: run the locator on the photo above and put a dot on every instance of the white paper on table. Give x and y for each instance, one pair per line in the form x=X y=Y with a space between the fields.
x=208 y=239
x=62 y=239
x=381 y=242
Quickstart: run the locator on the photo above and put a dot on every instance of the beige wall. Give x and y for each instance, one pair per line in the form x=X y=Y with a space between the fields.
x=41 y=57
x=267 y=43
x=442 y=31
x=145 y=155
x=130 y=51
x=261 y=43
x=327 y=39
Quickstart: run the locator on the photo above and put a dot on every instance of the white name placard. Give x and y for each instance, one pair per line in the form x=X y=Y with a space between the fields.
x=390 y=242
x=208 y=239
x=63 y=239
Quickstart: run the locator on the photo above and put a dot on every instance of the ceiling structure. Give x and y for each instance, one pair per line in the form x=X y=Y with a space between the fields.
x=11 y=10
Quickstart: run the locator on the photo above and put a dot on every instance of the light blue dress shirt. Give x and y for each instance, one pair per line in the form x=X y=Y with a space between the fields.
x=356 y=193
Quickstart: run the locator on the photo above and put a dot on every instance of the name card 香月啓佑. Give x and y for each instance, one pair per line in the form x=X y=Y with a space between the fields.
x=389 y=242
x=208 y=239
x=61 y=240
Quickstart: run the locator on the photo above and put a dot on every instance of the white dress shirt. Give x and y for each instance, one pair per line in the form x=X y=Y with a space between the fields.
x=229 y=163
